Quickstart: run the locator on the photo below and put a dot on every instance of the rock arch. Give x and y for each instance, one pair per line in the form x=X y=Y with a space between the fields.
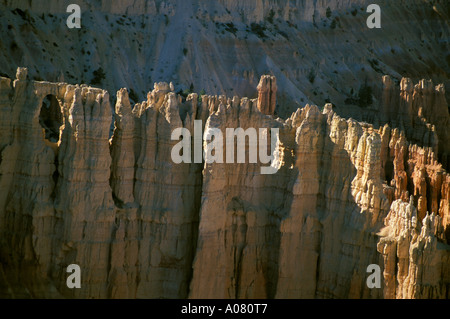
x=51 y=117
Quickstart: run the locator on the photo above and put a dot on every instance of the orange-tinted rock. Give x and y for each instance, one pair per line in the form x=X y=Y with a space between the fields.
x=141 y=226
x=267 y=94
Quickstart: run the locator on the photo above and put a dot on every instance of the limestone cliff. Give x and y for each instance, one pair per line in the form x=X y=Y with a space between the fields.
x=346 y=194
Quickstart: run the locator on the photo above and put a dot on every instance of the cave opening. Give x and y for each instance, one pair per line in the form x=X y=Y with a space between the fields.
x=389 y=171
x=50 y=118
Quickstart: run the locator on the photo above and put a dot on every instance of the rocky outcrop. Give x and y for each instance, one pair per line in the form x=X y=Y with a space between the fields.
x=156 y=200
x=267 y=94
x=415 y=259
x=416 y=173
x=345 y=194
x=336 y=201
x=125 y=217
x=420 y=111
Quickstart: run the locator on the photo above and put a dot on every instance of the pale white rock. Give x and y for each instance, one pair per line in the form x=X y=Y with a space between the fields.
x=141 y=226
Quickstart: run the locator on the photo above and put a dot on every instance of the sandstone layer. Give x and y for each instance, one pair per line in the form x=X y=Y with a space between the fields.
x=346 y=194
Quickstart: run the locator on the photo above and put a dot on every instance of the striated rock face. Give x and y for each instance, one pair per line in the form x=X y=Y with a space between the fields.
x=416 y=172
x=156 y=200
x=128 y=217
x=420 y=111
x=336 y=201
x=319 y=50
x=345 y=195
x=415 y=259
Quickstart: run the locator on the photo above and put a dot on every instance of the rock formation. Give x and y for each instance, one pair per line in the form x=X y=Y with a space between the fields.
x=267 y=94
x=347 y=194
x=415 y=259
x=420 y=111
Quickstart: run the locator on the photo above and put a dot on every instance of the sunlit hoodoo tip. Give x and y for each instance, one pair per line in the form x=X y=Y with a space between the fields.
x=21 y=73
x=267 y=94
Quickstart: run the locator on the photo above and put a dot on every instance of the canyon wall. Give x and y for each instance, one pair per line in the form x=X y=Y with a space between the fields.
x=345 y=194
x=120 y=210
x=319 y=51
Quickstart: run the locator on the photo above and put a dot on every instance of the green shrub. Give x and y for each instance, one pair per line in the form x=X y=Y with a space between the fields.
x=99 y=76
x=132 y=95
x=258 y=30
x=333 y=24
x=202 y=92
x=374 y=64
x=13 y=46
x=186 y=92
x=284 y=34
x=365 y=95
x=270 y=16
x=230 y=28
x=311 y=76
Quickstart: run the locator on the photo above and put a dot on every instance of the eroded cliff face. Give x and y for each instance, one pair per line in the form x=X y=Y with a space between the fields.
x=128 y=217
x=415 y=258
x=300 y=231
x=346 y=194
